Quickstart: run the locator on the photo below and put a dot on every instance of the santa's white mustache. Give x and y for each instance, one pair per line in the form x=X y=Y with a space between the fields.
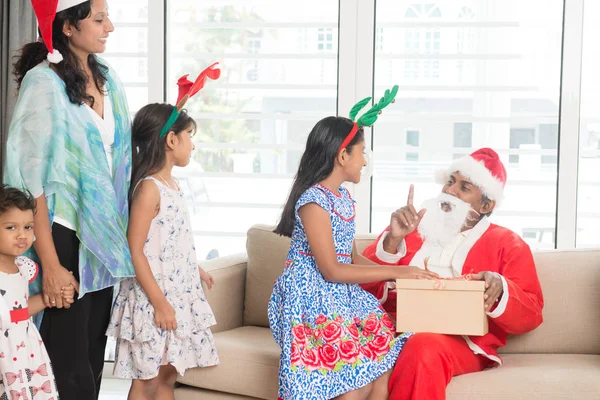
x=449 y=203
x=445 y=218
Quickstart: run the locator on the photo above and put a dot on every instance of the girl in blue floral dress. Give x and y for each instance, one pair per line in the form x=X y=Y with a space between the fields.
x=336 y=340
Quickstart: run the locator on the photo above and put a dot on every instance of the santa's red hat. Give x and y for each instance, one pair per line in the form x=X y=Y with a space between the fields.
x=484 y=169
x=45 y=11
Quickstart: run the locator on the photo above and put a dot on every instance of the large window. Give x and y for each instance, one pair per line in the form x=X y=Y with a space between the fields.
x=279 y=76
x=472 y=73
x=588 y=199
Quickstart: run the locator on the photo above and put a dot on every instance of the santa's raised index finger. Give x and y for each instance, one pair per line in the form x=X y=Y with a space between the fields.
x=413 y=211
x=411 y=195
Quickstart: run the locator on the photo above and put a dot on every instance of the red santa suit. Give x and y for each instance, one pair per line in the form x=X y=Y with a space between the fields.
x=428 y=361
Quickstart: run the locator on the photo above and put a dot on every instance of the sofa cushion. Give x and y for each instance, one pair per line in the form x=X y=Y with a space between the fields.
x=570 y=282
x=227 y=297
x=266 y=258
x=191 y=393
x=250 y=357
x=249 y=364
x=531 y=377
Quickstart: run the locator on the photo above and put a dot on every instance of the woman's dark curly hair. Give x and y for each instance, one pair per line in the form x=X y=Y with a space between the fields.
x=70 y=69
x=11 y=198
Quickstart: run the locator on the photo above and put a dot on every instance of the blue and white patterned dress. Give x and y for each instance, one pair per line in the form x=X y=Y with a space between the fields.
x=142 y=348
x=335 y=337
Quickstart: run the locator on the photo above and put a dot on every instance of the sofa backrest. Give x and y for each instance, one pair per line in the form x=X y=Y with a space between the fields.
x=571 y=286
x=570 y=282
x=266 y=256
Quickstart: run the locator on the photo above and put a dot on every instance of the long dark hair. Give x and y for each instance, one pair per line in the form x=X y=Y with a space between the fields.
x=316 y=164
x=149 y=149
x=70 y=69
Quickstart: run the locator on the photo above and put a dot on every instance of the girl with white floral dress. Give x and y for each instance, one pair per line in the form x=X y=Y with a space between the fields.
x=161 y=318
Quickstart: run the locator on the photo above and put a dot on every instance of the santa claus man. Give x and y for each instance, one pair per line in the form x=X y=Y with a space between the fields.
x=453 y=236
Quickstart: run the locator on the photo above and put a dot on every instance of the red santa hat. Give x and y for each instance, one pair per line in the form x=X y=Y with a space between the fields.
x=484 y=169
x=45 y=11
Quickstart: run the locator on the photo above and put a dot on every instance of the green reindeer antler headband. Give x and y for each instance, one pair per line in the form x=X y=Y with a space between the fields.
x=368 y=118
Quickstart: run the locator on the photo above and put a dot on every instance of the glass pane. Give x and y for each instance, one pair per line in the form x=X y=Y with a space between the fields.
x=133 y=71
x=127 y=53
x=278 y=77
x=471 y=74
x=128 y=38
x=128 y=12
x=588 y=198
x=127 y=49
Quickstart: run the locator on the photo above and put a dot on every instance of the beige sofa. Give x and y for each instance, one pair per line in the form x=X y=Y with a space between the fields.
x=559 y=360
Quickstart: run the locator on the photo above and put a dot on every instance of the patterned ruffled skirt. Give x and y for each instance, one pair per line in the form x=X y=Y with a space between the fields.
x=142 y=348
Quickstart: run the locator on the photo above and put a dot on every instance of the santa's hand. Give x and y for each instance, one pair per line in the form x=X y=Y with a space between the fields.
x=493 y=287
x=405 y=219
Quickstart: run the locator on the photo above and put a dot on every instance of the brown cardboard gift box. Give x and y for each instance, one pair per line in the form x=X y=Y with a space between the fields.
x=453 y=307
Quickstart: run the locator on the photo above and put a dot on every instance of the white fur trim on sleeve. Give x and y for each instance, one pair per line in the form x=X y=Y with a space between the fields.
x=388 y=257
x=501 y=307
x=479 y=175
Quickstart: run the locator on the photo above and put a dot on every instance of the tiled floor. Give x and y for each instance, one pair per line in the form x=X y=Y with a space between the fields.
x=114 y=389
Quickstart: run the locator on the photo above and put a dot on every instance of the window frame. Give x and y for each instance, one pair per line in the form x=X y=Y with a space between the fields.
x=356 y=57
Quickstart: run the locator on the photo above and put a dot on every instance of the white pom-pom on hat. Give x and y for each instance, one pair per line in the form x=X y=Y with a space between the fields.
x=55 y=57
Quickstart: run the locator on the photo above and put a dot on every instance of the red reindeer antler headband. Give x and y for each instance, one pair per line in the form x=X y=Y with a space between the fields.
x=187 y=90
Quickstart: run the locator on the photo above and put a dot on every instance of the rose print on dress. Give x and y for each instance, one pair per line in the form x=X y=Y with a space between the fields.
x=331 y=343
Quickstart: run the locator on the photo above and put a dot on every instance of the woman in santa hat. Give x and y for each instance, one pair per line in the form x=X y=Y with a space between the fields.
x=69 y=145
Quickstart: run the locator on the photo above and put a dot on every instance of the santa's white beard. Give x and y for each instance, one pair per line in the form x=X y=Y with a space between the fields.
x=440 y=226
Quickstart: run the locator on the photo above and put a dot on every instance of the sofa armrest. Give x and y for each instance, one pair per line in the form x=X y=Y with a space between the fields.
x=227 y=295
